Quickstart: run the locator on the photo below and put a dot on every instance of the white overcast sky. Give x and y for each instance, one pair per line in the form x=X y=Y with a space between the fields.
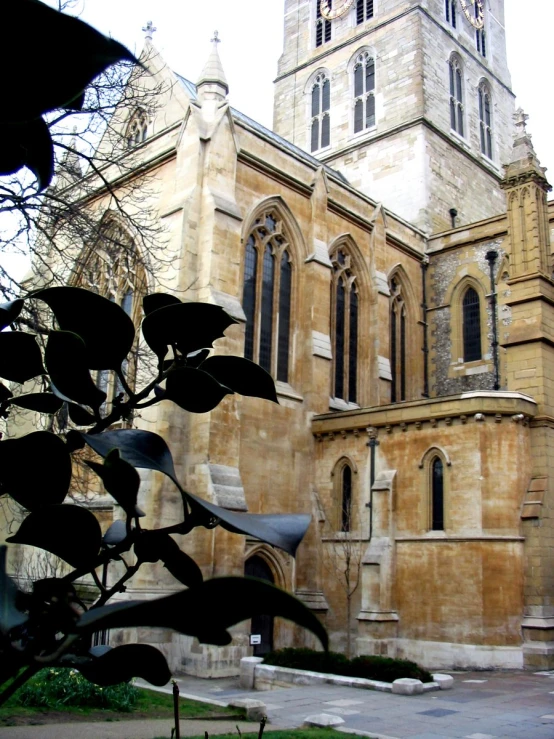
x=251 y=32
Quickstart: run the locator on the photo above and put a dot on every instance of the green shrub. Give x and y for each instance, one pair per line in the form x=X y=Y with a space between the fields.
x=58 y=687
x=385 y=669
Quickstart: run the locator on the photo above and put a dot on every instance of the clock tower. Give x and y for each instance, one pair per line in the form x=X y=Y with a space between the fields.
x=409 y=99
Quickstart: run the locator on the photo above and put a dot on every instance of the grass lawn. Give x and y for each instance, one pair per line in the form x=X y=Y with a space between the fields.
x=287 y=734
x=151 y=704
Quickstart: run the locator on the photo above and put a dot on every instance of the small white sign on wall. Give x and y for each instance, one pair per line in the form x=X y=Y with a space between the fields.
x=255 y=639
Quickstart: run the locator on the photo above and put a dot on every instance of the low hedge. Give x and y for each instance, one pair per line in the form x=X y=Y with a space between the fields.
x=384 y=669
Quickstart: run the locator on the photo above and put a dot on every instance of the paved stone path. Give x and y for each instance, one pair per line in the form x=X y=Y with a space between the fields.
x=482 y=705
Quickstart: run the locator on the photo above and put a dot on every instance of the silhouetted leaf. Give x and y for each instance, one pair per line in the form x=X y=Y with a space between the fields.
x=115 y=534
x=79 y=415
x=120 y=479
x=183 y=568
x=62 y=56
x=195 y=359
x=20 y=357
x=39 y=402
x=9 y=312
x=35 y=469
x=194 y=390
x=153 y=546
x=27 y=144
x=68 y=531
x=142 y=449
x=108 y=332
x=9 y=615
x=66 y=362
x=206 y=611
x=121 y=664
x=5 y=394
x=190 y=326
x=242 y=376
x=155 y=301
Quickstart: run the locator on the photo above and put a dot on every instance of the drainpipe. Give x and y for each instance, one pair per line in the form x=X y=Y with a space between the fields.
x=491 y=256
x=425 y=348
x=372 y=444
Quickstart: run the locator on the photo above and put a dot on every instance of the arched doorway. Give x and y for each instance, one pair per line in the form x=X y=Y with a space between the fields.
x=263 y=625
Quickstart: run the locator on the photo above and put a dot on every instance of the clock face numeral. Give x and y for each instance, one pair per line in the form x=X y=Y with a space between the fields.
x=331 y=13
x=474 y=12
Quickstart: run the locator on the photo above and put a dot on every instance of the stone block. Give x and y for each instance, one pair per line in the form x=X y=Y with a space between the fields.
x=407 y=686
x=255 y=710
x=445 y=682
x=248 y=671
x=323 y=720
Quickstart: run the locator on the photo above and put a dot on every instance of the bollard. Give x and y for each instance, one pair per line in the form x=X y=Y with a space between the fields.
x=176 y=709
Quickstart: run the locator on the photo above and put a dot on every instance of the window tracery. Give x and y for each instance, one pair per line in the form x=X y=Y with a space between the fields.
x=267 y=295
x=137 y=130
x=364 y=92
x=456 y=95
x=398 y=339
x=485 y=119
x=345 y=308
x=320 y=127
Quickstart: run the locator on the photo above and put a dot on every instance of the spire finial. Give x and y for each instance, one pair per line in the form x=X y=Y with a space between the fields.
x=216 y=39
x=521 y=118
x=149 y=30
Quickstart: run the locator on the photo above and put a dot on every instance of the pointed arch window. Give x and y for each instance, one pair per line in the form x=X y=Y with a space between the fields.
x=364 y=92
x=267 y=295
x=320 y=127
x=485 y=119
x=456 y=96
x=450 y=12
x=471 y=320
x=364 y=11
x=398 y=338
x=346 y=498
x=322 y=25
x=137 y=130
x=437 y=494
x=345 y=324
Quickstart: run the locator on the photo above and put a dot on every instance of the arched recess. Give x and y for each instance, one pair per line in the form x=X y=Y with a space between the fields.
x=273 y=252
x=262 y=562
x=343 y=516
x=354 y=361
x=405 y=339
x=455 y=297
x=435 y=465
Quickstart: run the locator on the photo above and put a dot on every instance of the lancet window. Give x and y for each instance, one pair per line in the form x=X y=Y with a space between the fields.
x=345 y=306
x=398 y=339
x=485 y=119
x=322 y=25
x=456 y=96
x=364 y=11
x=267 y=295
x=346 y=498
x=471 y=320
x=364 y=92
x=320 y=126
x=450 y=12
x=436 y=471
x=137 y=130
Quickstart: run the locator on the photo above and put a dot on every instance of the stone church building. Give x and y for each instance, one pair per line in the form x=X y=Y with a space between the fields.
x=386 y=252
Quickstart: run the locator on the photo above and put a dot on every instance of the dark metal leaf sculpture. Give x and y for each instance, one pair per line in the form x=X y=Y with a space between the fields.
x=5 y=394
x=9 y=615
x=242 y=376
x=155 y=301
x=66 y=361
x=188 y=326
x=153 y=546
x=35 y=469
x=108 y=332
x=68 y=531
x=27 y=144
x=194 y=390
x=9 y=312
x=20 y=357
x=115 y=534
x=39 y=402
x=120 y=479
x=79 y=415
x=126 y=662
x=206 y=611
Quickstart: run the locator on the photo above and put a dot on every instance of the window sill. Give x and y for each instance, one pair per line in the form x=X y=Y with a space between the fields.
x=460 y=139
x=323 y=150
x=337 y=404
x=284 y=390
x=479 y=367
x=369 y=132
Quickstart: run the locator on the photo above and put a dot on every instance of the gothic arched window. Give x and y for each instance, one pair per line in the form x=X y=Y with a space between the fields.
x=320 y=127
x=364 y=11
x=398 y=338
x=267 y=295
x=364 y=92
x=456 y=96
x=450 y=10
x=322 y=25
x=345 y=307
x=137 y=130
x=485 y=119
x=346 y=498
x=436 y=470
x=471 y=321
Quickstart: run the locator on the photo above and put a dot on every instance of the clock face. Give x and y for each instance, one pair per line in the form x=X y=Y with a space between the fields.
x=474 y=11
x=341 y=7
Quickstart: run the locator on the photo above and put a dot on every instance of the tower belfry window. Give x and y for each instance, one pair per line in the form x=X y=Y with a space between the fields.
x=364 y=11
x=485 y=120
x=345 y=302
x=456 y=96
x=364 y=92
x=450 y=12
x=322 y=25
x=320 y=129
x=480 y=36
